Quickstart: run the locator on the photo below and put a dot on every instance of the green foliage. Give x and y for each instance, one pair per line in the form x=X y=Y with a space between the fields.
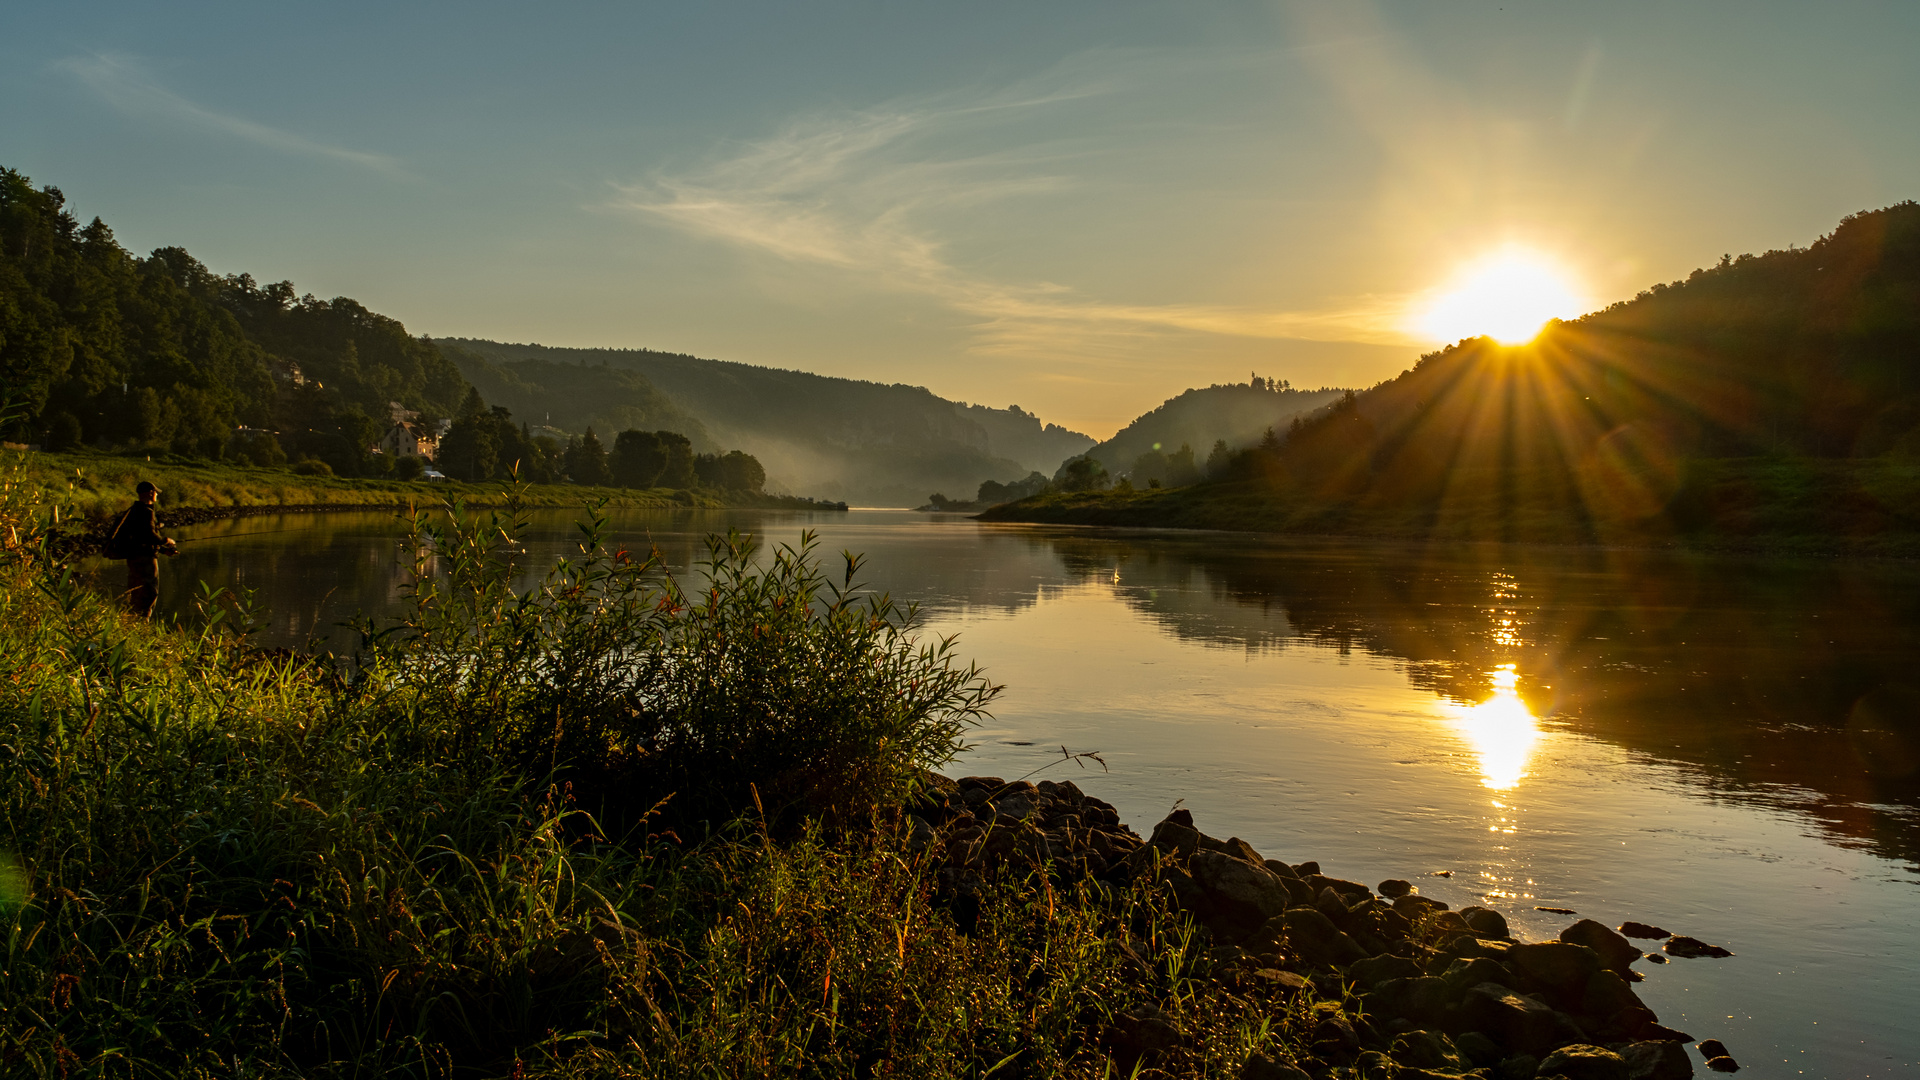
x=1083 y=473
x=585 y=461
x=733 y=471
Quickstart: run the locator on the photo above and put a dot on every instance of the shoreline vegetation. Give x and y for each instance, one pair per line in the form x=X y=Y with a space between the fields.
x=625 y=825
x=1761 y=506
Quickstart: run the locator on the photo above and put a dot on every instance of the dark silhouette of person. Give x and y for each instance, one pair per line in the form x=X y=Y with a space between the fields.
x=138 y=533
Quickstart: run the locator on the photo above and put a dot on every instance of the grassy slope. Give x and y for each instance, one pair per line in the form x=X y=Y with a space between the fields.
x=1806 y=505
x=99 y=484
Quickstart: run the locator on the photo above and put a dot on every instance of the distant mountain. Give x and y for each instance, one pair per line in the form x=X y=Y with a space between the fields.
x=848 y=439
x=1237 y=413
x=575 y=397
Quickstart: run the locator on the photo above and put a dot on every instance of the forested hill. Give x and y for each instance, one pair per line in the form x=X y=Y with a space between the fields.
x=841 y=438
x=1238 y=414
x=98 y=345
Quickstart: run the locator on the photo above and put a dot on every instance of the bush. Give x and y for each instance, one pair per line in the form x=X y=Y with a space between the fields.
x=312 y=467
x=409 y=468
x=63 y=432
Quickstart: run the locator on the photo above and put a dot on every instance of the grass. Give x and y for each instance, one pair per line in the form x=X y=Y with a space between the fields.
x=1816 y=506
x=95 y=484
x=547 y=833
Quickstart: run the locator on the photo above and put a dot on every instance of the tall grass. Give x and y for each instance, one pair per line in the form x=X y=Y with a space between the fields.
x=216 y=862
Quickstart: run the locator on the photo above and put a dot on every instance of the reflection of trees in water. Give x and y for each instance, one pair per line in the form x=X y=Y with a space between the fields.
x=1790 y=682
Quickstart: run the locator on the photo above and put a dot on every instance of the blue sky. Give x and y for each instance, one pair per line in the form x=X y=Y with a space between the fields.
x=1082 y=208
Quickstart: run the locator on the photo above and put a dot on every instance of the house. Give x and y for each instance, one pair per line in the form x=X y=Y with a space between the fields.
x=407 y=437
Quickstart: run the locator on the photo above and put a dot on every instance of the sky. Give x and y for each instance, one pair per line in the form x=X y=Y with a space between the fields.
x=1082 y=207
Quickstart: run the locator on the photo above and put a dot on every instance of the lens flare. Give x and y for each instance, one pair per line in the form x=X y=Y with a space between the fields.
x=1507 y=296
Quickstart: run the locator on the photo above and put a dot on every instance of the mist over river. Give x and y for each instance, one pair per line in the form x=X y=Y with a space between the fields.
x=1726 y=747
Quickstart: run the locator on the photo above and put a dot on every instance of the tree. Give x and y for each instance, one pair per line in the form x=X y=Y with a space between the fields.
x=1181 y=471
x=733 y=471
x=1219 y=460
x=678 y=472
x=470 y=450
x=586 y=461
x=1082 y=473
x=639 y=457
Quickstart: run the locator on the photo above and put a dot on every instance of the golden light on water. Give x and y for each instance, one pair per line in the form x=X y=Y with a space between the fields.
x=1507 y=296
x=1501 y=730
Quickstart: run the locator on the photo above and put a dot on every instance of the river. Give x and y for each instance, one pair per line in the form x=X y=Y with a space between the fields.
x=1727 y=747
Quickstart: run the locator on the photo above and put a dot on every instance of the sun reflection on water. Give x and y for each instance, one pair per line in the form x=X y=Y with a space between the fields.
x=1501 y=731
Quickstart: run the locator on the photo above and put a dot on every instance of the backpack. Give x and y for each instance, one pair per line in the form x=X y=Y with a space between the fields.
x=114 y=546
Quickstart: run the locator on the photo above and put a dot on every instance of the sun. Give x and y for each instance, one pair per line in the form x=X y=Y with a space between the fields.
x=1507 y=296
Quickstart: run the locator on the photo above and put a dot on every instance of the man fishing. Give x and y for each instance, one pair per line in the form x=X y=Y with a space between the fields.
x=137 y=539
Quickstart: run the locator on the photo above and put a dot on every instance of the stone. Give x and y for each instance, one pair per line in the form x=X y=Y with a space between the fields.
x=1654 y=958
x=1305 y=869
x=1143 y=1030
x=1281 y=870
x=1556 y=910
x=1181 y=816
x=1333 y=1030
x=1245 y=892
x=1415 y=906
x=1712 y=1048
x=1510 y=1017
x=1557 y=964
x=1482 y=1051
x=1485 y=921
x=1663 y=1033
x=1615 y=952
x=1393 y=888
x=1242 y=850
x=1375 y=970
x=1262 y=1067
x=1642 y=930
x=1013 y=806
x=1317 y=940
x=1517 y=1067
x=1422 y=1000
x=1691 y=948
x=1172 y=838
x=1584 y=1061
x=1424 y=1049
x=1328 y=903
x=1286 y=982
x=1607 y=994
x=920 y=834
x=1350 y=891
x=1451 y=922
x=1723 y=1063
x=1651 y=1060
x=1464 y=975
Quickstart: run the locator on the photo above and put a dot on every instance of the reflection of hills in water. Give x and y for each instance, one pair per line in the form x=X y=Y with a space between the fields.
x=1787 y=682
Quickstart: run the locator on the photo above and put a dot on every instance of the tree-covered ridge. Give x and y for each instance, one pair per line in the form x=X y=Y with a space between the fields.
x=847 y=438
x=573 y=397
x=1238 y=414
x=103 y=347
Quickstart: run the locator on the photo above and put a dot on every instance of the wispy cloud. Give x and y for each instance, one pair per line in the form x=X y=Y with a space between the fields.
x=865 y=192
x=126 y=85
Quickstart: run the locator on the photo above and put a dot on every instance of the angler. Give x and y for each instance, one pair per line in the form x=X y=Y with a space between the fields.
x=136 y=538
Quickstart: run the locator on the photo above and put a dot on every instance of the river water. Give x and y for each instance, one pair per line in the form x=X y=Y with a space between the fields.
x=1726 y=747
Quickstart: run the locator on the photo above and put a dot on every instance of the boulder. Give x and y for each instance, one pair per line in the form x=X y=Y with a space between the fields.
x=1656 y=1061
x=1375 y=970
x=1415 y=906
x=1317 y=940
x=1615 y=952
x=1281 y=870
x=1451 y=922
x=1014 y=806
x=1328 y=903
x=1350 y=891
x=1245 y=892
x=1486 y=922
x=1723 y=1063
x=1513 y=1019
x=1560 y=965
x=1421 y=1000
x=1243 y=851
x=1305 y=869
x=1607 y=994
x=1393 y=888
x=1691 y=948
x=1172 y=838
x=1584 y=1061
x=1464 y=975
x=1642 y=930
x=1517 y=1067
x=1482 y=1051
x=1142 y=1031
x=1424 y=1049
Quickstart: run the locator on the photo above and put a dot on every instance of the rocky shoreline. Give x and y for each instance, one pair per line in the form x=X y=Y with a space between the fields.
x=1395 y=984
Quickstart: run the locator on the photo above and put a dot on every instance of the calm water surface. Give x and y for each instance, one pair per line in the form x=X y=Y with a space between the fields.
x=1726 y=747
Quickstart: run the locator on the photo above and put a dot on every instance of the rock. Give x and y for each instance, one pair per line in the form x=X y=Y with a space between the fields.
x=1464 y=975
x=1317 y=940
x=1350 y=891
x=1642 y=930
x=1328 y=903
x=1560 y=965
x=1556 y=910
x=1247 y=893
x=1013 y=806
x=920 y=835
x=1517 y=1067
x=1393 y=888
x=1333 y=1031
x=1654 y=958
x=1615 y=951
x=1451 y=922
x=1281 y=870
x=1172 y=838
x=1415 y=906
x=1466 y=947
x=1723 y=1064
x=1262 y=1067
x=1180 y=816
x=1486 y=922
x=1375 y=970
x=1286 y=982
x=1427 y=1050
x=1243 y=851
x=1305 y=869
x=1584 y=1061
x=1663 y=1033
x=1422 y=1000
x=1656 y=1061
x=1692 y=948
x=1713 y=1048
x=1520 y=1022
x=1479 y=1049
x=1142 y=1030
x=1607 y=994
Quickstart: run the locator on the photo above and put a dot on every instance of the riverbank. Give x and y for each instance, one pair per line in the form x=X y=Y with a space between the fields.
x=1809 y=507
x=414 y=872
x=96 y=485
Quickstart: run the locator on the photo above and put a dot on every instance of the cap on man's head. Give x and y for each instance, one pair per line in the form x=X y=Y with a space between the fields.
x=145 y=486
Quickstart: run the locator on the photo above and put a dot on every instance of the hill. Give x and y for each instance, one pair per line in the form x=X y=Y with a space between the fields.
x=1770 y=398
x=1238 y=414
x=875 y=443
